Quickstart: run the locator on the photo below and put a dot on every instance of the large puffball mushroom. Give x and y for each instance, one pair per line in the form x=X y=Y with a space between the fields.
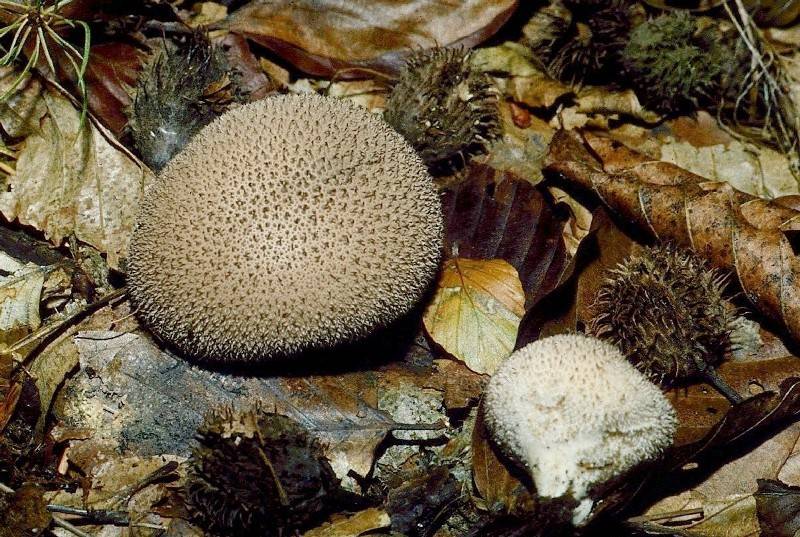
x=288 y=224
x=576 y=414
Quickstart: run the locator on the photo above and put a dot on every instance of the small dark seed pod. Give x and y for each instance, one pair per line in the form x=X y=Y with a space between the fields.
x=443 y=108
x=666 y=312
x=257 y=473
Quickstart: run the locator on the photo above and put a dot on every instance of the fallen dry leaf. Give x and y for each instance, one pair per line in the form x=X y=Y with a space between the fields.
x=594 y=100
x=756 y=170
x=476 y=311
x=519 y=151
x=325 y=37
x=20 y=296
x=110 y=75
x=130 y=391
x=501 y=486
x=724 y=466
x=354 y=525
x=516 y=75
x=566 y=307
x=778 y=508
x=73 y=180
x=250 y=77
x=26 y=514
x=734 y=231
x=496 y=215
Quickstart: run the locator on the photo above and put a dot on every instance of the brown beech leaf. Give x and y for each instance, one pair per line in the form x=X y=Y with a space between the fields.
x=111 y=73
x=322 y=37
x=567 y=306
x=496 y=215
x=501 y=490
x=353 y=525
x=251 y=78
x=721 y=481
x=74 y=178
x=734 y=231
x=778 y=507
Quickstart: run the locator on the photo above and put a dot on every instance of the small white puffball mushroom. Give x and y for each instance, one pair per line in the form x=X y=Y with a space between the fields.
x=576 y=414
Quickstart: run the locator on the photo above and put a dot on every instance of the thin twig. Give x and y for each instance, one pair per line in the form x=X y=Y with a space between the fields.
x=60 y=522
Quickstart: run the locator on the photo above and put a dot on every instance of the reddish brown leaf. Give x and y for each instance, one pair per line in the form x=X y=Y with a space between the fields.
x=495 y=215
x=112 y=71
x=461 y=385
x=502 y=490
x=567 y=306
x=323 y=37
x=8 y=405
x=251 y=78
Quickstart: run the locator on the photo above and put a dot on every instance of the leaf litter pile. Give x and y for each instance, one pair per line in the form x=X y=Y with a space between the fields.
x=402 y=268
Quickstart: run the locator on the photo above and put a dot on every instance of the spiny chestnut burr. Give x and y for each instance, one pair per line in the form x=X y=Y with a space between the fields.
x=443 y=108
x=667 y=313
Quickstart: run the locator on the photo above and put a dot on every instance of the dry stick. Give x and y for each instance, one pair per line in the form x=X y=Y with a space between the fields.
x=69 y=527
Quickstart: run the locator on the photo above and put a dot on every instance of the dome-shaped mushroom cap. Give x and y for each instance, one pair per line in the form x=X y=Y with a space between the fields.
x=576 y=414
x=291 y=223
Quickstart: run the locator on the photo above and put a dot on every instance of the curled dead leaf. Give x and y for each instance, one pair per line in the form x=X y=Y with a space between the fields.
x=325 y=37
x=675 y=205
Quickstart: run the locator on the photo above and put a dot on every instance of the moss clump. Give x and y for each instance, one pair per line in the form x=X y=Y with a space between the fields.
x=679 y=63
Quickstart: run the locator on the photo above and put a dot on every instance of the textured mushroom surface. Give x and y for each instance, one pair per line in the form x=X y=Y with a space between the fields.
x=291 y=223
x=576 y=414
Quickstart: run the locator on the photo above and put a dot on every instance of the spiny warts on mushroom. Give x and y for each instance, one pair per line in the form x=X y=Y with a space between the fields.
x=288 y=224
x=576 y=414
x=444 y=109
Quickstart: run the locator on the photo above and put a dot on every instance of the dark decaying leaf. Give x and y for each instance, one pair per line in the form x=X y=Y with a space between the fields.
x=502 y=486
x=496 y=215
x=565 y=308
x=323 y=37
x=166 y=398
x=420 y=505
x=111 y=73
x=778 y=506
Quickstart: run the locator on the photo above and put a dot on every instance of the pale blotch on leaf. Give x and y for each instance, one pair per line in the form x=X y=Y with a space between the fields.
x=476 y=311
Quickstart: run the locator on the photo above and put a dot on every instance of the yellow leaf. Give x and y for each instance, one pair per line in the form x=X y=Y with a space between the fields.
x=476 y=311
